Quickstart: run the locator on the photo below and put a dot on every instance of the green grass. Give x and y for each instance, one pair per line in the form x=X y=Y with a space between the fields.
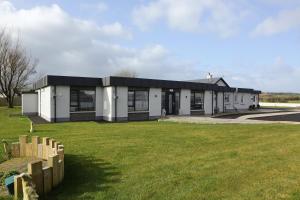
x=151 y=160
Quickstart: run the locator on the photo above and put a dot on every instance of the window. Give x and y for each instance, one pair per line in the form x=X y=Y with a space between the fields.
x=253 y=98
x=82 y=99
x=235 y=98
x=226 y=97
x=242 y=99
x=163 y=99
x=197 y=100
x=138 y=99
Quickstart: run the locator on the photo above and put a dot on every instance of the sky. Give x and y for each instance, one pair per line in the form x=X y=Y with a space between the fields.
x=252 y=44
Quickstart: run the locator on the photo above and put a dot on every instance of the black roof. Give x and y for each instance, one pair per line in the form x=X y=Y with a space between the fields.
x=133 y=82
x=67 y=80
x=142 y=82
x=210 y=80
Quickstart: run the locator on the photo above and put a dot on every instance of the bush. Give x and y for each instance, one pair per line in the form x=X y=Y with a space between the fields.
x=17 y=101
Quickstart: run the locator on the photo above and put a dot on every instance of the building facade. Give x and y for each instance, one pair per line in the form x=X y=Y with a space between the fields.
x=64 y=98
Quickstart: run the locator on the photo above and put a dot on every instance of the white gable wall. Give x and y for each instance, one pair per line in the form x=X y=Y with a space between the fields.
x=221 y=83
x=62 y=103
x=208 y=102
x=154 y=103
x=29 y=103
x=220 y=101
x=46 y=103
x=108 y=103
x=99 y=103
x=185 y=102
x=122 y=103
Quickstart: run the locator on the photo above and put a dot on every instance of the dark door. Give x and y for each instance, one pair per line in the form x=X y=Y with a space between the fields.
x=171 y=102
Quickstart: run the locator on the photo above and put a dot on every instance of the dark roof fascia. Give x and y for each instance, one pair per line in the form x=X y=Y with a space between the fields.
x=29 y=92
x=51 y=80
x=155 y=83
x=246 y=90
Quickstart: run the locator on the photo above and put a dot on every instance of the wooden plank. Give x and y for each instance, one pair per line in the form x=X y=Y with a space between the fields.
x=53 y=162
x=23 y=140
x=35 y=169
x=47 y=173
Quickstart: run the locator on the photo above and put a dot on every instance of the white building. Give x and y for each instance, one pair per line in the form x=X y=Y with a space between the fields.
x=64 y=98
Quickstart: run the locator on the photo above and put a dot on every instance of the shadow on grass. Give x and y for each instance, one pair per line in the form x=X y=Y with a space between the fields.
x=84 y=175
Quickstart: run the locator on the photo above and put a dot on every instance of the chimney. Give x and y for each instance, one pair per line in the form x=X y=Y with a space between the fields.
x=209 y=76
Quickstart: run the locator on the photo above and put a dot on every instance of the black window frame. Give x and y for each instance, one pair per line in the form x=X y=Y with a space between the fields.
x=78 y=89
x=133 y=106
x=193 y=105
x=227 y=98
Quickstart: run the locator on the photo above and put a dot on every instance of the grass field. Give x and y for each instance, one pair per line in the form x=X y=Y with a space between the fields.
x=151 y=160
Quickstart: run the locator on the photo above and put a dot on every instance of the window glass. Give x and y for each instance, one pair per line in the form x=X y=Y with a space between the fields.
x=141 y=100
x=82 y=99
x=226 y=98
x=192 y=99
x=138 y=100
x=130 y=100
x=197 y=100
x=87 y=100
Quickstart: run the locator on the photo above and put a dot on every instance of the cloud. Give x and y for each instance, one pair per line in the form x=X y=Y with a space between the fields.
x=100 y=7
x=217 y=16
x=66 y=45
x=285 y=21
x=278 y=76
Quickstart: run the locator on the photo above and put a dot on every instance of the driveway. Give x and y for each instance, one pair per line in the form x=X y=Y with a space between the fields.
x=292 y=117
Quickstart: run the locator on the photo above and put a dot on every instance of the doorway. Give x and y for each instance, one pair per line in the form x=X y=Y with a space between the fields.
x=170 y=101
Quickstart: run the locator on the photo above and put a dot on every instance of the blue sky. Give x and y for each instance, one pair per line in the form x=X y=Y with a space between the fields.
x=249 y=43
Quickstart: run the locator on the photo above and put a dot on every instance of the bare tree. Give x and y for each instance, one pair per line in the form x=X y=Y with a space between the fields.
x=16 y=67
x=126 y=73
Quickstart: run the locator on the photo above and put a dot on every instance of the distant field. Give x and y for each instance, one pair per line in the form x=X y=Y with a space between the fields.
x=280 y=97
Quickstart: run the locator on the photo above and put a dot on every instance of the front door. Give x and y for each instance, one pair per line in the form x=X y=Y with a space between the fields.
x=171 y=102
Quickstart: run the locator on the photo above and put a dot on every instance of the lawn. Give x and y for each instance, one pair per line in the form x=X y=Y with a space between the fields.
x=151 y=160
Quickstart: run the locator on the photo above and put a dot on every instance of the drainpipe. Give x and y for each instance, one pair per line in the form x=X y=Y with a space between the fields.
x=116 y=103
x=54 y=103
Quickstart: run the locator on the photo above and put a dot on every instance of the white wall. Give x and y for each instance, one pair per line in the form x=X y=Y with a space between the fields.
x=122 y=103
x=99 y=103
x=154 y=102
x=229 y=105
x=39 y=100
x=185 y=102
x=108 y=103
x=256 y=99
x=221 y=83
x=246 y=103
x=207 y=102
x=29 y=103
x=62 y=103
x=46 y=103
x=220 y=101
